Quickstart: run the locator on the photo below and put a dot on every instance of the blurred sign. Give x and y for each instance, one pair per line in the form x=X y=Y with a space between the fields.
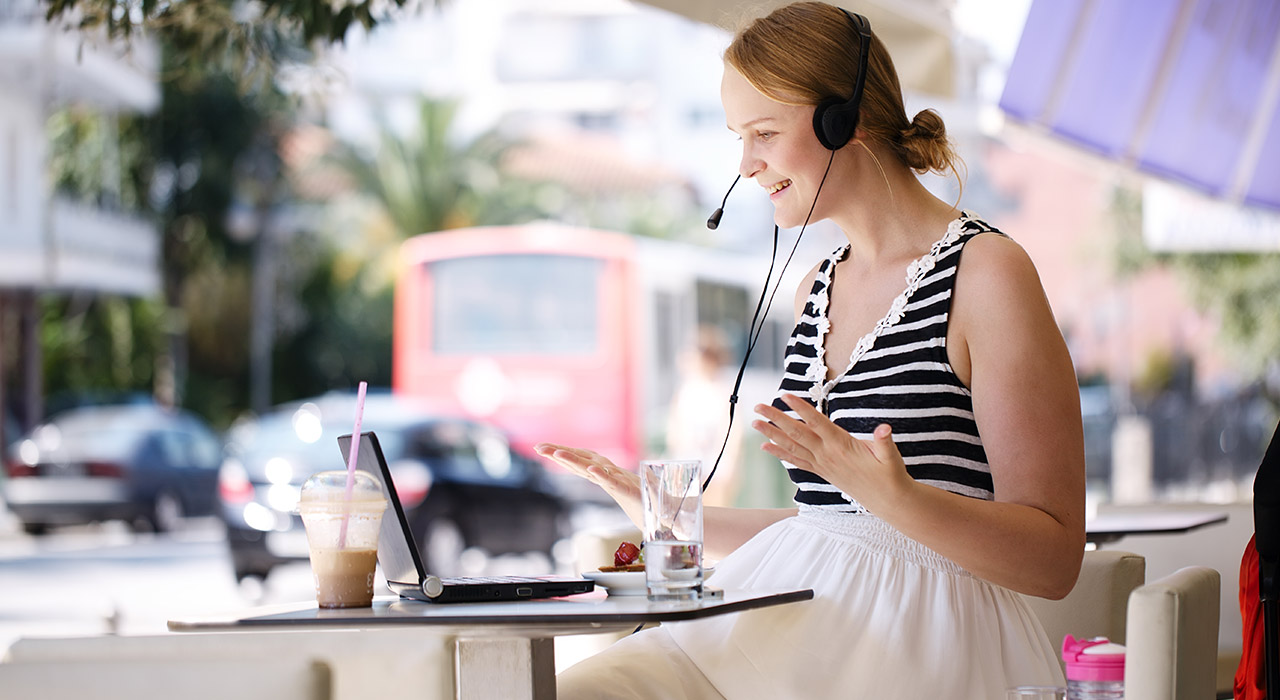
x=1183 y=90
x=1177 y=220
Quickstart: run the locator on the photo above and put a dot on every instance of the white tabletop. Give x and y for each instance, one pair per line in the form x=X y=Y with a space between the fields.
x=532 y=618
x=1109 y=527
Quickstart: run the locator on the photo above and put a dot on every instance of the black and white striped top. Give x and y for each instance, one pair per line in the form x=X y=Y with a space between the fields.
x=898 y=374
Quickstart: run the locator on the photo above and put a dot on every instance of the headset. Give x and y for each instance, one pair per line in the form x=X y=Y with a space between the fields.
x=835 y=120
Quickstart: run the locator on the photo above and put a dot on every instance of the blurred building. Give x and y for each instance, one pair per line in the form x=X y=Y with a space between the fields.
x=48 y=243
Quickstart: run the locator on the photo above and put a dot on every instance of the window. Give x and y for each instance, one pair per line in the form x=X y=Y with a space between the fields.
x=516 y=304
x=469 y=451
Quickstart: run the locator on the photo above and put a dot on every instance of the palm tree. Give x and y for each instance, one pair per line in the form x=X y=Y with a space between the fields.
x=425 y=182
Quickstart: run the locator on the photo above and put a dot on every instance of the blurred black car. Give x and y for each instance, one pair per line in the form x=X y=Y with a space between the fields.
x=139 y=463
x=459 y=481
x=11 y=430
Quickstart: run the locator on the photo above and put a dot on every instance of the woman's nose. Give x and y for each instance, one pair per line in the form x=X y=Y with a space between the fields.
x=750 y=164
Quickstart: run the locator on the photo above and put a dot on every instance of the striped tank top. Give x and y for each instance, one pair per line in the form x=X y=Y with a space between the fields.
x=898 y=374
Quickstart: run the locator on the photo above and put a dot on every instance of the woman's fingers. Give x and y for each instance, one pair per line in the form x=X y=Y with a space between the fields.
x=585 y=463
x=787 y=432
x=882 y=445
x=816 y=420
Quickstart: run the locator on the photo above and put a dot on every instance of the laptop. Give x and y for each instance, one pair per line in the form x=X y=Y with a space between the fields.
x=401 y=564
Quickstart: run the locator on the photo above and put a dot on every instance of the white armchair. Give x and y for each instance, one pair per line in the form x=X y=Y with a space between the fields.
x=1096 y=606
x=1172 y=647
x=351 y=663
x=190 y=679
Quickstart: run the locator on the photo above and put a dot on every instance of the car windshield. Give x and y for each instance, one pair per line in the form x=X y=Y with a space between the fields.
x=85 y=443
x=316 y=448
x=98 y=433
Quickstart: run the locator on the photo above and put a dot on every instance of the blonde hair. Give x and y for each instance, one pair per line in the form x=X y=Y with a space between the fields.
x=806 y=52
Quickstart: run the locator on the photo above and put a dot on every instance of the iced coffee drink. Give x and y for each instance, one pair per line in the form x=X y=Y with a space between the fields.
x=342 y=534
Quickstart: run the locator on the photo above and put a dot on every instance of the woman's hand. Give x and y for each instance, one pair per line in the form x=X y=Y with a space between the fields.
x=871 y=471
x=621 y=485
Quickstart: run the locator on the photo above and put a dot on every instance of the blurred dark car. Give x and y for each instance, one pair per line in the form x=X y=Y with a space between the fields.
x=459 y=481
x=11 y=430
x=139 y=463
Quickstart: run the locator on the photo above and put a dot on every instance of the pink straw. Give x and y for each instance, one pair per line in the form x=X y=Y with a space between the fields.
x=351 y=462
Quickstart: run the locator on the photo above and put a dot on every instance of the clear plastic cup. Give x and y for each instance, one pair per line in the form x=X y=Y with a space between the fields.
x=342 y=536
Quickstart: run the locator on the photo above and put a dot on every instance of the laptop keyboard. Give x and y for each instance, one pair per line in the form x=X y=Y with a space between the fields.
x=472 y=580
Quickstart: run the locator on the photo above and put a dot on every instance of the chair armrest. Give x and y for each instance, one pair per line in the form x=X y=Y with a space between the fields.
x=1172 y=648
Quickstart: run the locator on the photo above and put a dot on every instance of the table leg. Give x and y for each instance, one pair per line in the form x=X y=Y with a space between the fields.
x=517 y=668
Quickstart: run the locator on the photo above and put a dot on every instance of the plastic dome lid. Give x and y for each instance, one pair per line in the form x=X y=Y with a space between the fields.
x=1097 y=659
x=326 y=490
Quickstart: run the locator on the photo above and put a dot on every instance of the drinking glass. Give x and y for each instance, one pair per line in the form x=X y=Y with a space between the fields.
x=671 y=495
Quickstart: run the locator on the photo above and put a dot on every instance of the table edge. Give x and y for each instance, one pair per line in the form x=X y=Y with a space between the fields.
x=463 y=619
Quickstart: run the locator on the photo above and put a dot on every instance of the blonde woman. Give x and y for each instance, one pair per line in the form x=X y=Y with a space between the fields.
x=928 y=415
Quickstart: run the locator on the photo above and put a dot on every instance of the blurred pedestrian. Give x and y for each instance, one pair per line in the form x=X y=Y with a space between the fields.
x=697 y=418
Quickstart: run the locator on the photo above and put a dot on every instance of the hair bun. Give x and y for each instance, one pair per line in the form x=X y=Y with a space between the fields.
x=923 y=145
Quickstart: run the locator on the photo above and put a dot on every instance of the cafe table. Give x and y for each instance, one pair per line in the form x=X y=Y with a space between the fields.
x=1110 y=527
x=501 y=649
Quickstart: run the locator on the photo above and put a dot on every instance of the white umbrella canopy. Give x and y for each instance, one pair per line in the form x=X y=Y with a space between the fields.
x=918 y=36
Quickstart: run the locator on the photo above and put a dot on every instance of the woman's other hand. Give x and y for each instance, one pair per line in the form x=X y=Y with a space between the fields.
x=871 y=471
x=621 y=485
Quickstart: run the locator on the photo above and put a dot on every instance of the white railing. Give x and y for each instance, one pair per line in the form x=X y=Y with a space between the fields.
x=104 y=251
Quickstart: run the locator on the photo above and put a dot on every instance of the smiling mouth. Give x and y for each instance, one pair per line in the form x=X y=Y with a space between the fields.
x=778 y=187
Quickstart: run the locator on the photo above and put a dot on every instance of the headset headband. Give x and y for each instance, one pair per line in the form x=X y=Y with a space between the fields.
x=835 y=119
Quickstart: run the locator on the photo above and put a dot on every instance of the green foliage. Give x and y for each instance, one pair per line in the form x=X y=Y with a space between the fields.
x=425 y=182
x=95 y=159
x=246 y=36
x=1241 y=291
x=100 y=344
x=344 y=335
x=1238 y=289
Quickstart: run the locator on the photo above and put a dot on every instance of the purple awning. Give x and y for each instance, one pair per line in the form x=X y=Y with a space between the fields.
x=1186 y=90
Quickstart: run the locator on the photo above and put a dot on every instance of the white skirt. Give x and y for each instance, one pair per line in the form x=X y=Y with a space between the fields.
x=890 y=618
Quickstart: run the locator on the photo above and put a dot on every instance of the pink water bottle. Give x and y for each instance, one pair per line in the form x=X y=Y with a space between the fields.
x=1095 y=668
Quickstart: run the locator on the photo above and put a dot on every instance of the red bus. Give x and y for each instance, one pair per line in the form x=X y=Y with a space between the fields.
x=567 y=334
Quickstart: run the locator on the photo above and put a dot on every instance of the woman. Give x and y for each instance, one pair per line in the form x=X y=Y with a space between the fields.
x=933 y=431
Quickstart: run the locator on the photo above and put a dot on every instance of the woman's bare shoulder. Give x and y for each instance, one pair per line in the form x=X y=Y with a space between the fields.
x=995 y=268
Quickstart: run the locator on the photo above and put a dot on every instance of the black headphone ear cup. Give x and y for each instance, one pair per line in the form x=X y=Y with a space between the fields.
x=834 y=121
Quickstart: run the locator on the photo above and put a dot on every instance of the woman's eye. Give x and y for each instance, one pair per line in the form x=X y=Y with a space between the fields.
x=765 y=135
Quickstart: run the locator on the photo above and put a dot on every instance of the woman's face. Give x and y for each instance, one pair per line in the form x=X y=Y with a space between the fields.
x=779 y=149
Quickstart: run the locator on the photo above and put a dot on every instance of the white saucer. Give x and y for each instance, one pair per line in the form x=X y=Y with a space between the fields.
x=626 y=582
x=618 y=582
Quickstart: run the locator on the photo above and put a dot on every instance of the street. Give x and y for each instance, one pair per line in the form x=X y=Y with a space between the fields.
x=106 y=579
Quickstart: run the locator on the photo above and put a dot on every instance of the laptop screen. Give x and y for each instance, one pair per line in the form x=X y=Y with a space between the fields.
x=397 y=554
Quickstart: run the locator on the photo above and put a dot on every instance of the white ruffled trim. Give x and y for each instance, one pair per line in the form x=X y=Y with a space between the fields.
x=916 y=273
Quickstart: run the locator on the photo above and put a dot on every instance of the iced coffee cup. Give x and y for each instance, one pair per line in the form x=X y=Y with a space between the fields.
x=342 y=534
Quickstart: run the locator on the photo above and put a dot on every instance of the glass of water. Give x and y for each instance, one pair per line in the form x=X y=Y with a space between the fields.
x=671 y=495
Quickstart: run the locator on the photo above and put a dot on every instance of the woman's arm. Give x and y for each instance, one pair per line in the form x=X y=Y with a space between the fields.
x=1026 y=403
x=723 y=529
